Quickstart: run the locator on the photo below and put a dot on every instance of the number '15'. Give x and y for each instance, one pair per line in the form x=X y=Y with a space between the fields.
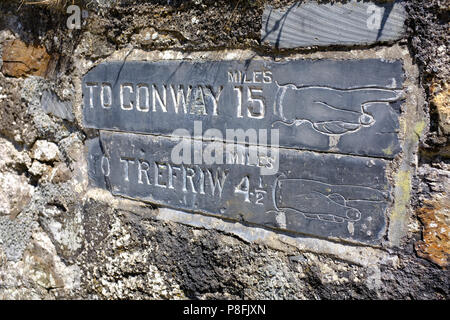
x=255 y=102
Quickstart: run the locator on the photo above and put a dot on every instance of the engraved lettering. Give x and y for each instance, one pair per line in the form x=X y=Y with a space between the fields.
x=106 y=95
x=235 y=157
x=260 y=197
x=233 y=76
x=201 y=182
x=215 y=96
x=126 y=89
x=142 y=97
x=244 y=188
x=143 y=167
x=245 y=80
x=179 y=98
x=256 y=108
x=238 y=90
x=257 y=77
x=170 y=176
x=188 y=174
x=105 y=166
x=198 y=107
x=126 y=168
x=267 y=77
x=91 y=86
x=173 y=175
x=217 y=181
x=158 y=175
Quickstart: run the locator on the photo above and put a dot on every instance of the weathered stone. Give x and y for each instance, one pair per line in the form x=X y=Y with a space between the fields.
x=60 y=173
x=57 y=174
x=326 y=195
x=442 y=102
x=14 y=236
x=20 y=59
x=52 y=105
x=15 y=120
x=16 y=193
x=45 y=151
x=428 y=35
x=434 y=215
x=72 y=147
x=41 y=269
x=11 y=157
x=124 y=249
x=350 y=23
x=345 y=106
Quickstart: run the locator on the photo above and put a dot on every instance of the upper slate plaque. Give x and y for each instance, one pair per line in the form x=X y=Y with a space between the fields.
x=350 y=23
x=340 y=106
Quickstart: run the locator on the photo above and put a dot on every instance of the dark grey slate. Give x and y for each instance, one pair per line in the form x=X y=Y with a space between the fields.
x=326 y=195
x=53 y=105
x=350 y=23
x=348 y=106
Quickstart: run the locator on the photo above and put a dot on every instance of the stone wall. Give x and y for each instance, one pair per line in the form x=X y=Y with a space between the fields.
x=62 y=238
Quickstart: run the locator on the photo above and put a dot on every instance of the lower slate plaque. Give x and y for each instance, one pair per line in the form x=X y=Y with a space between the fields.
x=340 y=106
x=326 y=195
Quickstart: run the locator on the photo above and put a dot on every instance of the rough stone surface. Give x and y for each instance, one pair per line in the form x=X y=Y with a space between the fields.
x=16 y=193
x=15 y=120
x=68 y=242
x=15 y=190
x=436 y=234
x=210 y=264
x=427 y=24
x=12 y=158
x=434 y=215
x=51 y=104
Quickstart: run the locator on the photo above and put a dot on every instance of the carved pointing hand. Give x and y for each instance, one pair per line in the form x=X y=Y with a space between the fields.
x=321 y=201
x=329 y=110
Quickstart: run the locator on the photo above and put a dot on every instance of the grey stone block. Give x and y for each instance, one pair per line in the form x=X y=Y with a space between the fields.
x=350 y=23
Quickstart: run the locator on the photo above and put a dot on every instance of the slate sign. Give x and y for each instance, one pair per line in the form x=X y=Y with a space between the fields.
x=322 y=24
x=348 y=110
x=348 y=106
x=317 y=194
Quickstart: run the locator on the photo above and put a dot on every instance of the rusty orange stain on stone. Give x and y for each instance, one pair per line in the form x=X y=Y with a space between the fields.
x=21 y=60
x=435 y=245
